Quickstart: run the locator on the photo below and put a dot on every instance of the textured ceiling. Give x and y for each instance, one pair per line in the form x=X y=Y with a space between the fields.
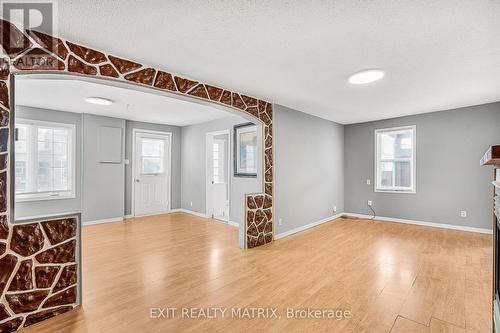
x=437 y=54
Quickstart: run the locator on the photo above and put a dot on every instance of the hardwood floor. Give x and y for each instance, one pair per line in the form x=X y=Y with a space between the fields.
x=391 y=277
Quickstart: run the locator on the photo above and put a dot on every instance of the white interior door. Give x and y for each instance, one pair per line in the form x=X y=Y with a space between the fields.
x=218 y=176
x=151 y=173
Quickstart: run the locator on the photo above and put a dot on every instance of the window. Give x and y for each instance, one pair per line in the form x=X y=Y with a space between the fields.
x=44 y=160
x=395 y=159
x=152 y=156
x=219 y=176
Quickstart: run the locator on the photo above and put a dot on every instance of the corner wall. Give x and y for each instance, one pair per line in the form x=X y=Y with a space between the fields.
x=449 y=178
x=309 y=178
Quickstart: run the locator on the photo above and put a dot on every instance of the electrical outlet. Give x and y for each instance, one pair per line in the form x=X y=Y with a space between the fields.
x=463 y=213
x=191 y=204
x=368 y=181
x=370 y=203
x=334 y=209
x=280 y=222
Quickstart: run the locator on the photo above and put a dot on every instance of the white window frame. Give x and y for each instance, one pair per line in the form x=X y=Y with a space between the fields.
x=412 y=160
x=53 y=195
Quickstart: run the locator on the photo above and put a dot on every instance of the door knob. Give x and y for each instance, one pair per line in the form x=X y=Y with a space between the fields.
x=137 y=180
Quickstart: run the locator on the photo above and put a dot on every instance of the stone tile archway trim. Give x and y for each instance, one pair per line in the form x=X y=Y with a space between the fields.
x=38 y=263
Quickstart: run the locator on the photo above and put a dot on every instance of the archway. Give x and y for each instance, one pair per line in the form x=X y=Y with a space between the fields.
x=55 y=241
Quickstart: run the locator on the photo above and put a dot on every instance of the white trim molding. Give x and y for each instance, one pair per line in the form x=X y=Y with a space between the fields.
x=421 y=223
x=233 y=224
x=110 y=220
x=307 y=226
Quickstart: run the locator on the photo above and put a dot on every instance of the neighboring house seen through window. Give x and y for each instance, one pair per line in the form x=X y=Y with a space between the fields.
x=395 y=159
x=44 y=160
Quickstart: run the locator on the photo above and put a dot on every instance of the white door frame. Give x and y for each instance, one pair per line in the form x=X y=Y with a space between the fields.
x=229 y=170
x=169 y=165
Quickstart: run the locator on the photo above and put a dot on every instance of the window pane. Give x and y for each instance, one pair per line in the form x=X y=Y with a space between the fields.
x=152 y=165
x=60 y=179
x=386 y=173
x=45 y=148
x=403 y=174
x=152 y=147
x=20 y=173
x=61 y=135
x=45 y=179
x=60 y=161
x=45 y=134
x=397 y=144
x=21 y=132
x=45 y=161
x=60 y=148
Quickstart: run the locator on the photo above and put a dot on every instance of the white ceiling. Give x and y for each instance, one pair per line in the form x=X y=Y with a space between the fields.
x=69 y=95
x=438 y=54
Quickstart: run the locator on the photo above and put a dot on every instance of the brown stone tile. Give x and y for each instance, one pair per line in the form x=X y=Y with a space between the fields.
x=199 y=91
x=67 y=278
x=144 y=76
x=165 y=80
x=259 y=216
x=77 y=66
x=251 y=203
x=252 y=230
x=265 y=118
x=253 y=111
x=4 y=314
x=4 y=140
x=4 y=228
x=4 y=118
x=108 y=70
x=259 y=199
x=45 y=314
x=184 y=85
x=65 y=297
x=38 y=60
x=4 y=95
x=3 y=189
x=268 y=237
x=13 y=41
x=124 y=66
x=27 y=239
x=251 y=241
x=58 y=231
x=3 y=248
x=268 y=202
x=3 y=165
x=7 y=265
x=63 y=253
x=52 y=44
x=11 y=325
x=89 y=55
x=269 y=188
x=45 y=276
x=4 y=68
x=238 y=102
x=27 y=301
x=269 y=176
x=260 y=240
x=23 y=278
x=249 y=101
x=226 y=97
x=213 y=92
x=250 y=217
x=262 y=106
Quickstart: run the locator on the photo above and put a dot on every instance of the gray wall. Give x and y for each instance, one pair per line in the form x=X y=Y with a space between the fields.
x=449 y=178
x=194 y=169
x=45 y=207
x=309 y=174
x=104 y=188
x=175 y=195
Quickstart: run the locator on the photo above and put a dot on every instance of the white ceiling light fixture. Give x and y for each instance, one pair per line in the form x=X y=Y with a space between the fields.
x=98 y=100
x=366 y=76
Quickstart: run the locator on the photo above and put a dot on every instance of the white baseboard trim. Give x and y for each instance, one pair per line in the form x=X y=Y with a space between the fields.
x=233 y=224
x=110 y=220
x=187 y=211
x=307 y=226
x=422 y=223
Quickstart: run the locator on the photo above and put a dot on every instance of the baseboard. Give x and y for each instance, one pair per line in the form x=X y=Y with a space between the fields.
x=422 y=223
x=233 y=224
x=307 y=226
x=187 y=211
x=110 y=220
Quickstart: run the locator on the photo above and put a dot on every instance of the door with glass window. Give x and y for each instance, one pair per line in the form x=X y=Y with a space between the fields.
x=151 y=172
x=217 y=186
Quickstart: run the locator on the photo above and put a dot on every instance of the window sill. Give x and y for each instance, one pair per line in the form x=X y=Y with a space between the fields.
x=45 y=198
x=396 y=191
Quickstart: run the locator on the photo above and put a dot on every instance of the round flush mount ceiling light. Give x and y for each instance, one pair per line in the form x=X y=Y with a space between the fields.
x=98 y=100
x=366 y=76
